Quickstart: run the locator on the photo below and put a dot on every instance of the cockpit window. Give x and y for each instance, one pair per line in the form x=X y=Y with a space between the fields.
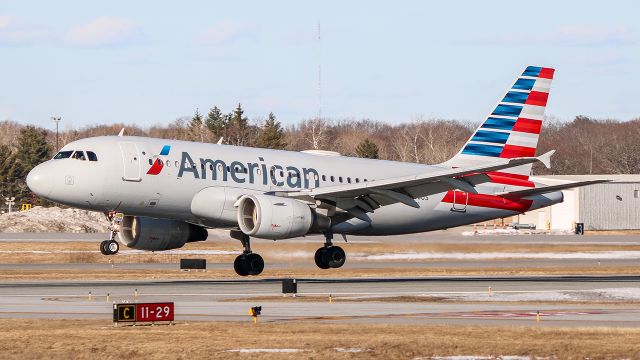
x=63 y=154
x=92 y=156
x=79 y=155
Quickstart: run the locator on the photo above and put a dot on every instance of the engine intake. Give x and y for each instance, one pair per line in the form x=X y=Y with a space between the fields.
x=145 y=233
x=273 y=217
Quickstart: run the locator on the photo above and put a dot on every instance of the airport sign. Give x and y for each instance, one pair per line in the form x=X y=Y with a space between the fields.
x=143 y=312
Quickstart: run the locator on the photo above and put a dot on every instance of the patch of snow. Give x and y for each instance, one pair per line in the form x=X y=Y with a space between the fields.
x=351 y=350
x=609 y=294
x=266 y=350
x=498 y=231
x=596 y=255
x=53 y=219
x=463 y=357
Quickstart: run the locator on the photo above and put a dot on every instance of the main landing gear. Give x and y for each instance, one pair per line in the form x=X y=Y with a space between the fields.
x=248 y=263
x=330 y=256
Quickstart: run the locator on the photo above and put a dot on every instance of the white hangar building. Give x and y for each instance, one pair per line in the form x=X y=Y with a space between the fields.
x=607 y=206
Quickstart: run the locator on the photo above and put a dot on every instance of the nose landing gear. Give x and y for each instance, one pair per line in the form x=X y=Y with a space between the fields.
x=330 y=256
x=111 y=246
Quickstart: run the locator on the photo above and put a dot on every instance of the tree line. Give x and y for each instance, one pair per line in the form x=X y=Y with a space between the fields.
x=583 y=146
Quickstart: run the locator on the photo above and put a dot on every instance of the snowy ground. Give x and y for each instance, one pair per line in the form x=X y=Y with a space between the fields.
x=53 y=219
x=490 y=231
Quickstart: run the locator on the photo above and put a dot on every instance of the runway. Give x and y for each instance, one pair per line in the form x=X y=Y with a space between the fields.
x=558 y=300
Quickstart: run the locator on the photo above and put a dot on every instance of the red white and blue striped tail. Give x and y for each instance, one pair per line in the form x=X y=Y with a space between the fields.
x=513 y=127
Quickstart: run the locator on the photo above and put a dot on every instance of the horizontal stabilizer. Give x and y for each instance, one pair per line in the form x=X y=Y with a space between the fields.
x=547 y=189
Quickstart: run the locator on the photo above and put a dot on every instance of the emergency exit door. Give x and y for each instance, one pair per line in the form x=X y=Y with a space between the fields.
x=130 y=161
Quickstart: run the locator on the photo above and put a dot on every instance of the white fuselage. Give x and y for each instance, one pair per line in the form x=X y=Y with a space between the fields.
x=120 y=180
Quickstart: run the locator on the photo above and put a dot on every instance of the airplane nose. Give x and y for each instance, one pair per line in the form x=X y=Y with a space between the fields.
x=37 y=181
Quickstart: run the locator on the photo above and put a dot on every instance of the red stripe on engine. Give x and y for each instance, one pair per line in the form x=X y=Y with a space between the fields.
x=546 y=73
x=537 y=98
x=530 y=126
x=514 y=151
x=489 y=201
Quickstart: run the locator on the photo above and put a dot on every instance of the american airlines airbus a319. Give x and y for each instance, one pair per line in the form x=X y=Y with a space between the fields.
x=170 y=192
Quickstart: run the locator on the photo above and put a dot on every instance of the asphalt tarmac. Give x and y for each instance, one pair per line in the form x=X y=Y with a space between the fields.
x=431 y=300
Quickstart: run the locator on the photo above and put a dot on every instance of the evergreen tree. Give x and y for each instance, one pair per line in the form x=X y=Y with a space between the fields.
x=272 y=135
x=32 y=149
x=367 y=149
x=195 y=130
x=217 y=123
x=238 y=127
x=5 y=165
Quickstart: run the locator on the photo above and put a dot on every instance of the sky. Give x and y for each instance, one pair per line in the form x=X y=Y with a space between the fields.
x=150 y=62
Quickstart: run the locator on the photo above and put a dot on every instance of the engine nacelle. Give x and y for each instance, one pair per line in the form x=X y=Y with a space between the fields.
x=145 y=233
x=273 y=217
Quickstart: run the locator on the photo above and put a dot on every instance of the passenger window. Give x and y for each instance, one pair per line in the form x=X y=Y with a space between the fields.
x=340 y=178
x=92 y=156
x=168 y=163
x=63 y=154
x=332 y=178
x=79 y=155
x=150 y=162
x=177 y=163
x=357 y=180
x=349 y=180
x=324 y=178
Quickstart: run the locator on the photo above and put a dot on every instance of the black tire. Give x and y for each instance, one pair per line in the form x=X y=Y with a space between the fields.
x=239 y=266
x=112 y=247
x=103 y=247
x=254 y=264
x=336 y=256
x=321 y=258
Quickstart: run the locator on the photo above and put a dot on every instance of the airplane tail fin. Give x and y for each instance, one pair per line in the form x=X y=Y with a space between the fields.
x=512 y=129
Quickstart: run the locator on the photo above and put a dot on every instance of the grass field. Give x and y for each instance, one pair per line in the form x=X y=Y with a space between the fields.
x=297 y=257
x=93 y=339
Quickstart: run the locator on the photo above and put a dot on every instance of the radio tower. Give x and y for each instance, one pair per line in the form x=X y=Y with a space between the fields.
x=319 y=73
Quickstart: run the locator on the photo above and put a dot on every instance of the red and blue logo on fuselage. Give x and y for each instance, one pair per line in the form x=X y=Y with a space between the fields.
x=158 y=164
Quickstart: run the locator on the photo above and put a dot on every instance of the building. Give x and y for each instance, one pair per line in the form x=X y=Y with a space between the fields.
x=607 y=206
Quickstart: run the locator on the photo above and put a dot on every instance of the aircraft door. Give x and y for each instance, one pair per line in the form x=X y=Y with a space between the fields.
x=460 y=201
x=131 y=161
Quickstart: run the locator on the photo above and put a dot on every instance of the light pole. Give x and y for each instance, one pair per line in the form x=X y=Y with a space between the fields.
x=10 y=201
x=57 y=120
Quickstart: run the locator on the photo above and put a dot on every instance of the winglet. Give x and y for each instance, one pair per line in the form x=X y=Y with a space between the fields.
x=546 y=158
x=121 y=132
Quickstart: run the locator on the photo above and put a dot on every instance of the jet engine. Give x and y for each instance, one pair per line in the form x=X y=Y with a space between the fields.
x=273 y=217
x=145 y=233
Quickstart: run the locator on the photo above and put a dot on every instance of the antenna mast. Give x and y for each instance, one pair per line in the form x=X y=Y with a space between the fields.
x=319 y=73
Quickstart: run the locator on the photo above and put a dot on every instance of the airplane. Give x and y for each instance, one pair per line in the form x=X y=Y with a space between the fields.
x=168 y=193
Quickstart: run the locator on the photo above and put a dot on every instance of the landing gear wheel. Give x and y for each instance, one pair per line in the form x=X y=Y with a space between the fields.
x=103 y=247
x=113 y=247
x=248 y=264
x=336 y=256
x=254 y=264
x=109 y=247
x=238 y=266
x=321 y=258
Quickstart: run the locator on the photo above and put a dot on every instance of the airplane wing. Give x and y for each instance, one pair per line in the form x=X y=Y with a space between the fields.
x=359 y=198
x=547 y=189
